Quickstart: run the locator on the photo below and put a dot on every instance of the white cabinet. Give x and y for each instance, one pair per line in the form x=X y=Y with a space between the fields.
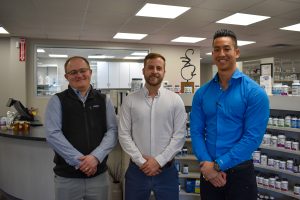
x=114 y=75
x=117 y=74
x=102 y=75
x=125 y=75
x=136 y=70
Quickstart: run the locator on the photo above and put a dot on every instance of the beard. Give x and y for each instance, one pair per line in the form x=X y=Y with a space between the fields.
x=153 y=80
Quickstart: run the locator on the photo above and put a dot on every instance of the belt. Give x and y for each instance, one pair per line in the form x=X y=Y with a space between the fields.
x=244 y=165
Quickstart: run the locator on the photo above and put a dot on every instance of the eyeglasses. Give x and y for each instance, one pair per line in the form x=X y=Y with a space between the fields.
x=80 y=71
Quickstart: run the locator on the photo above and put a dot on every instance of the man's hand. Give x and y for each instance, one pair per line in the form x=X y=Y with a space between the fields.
x=151 y=166
x=88 y=164
x=218 y=179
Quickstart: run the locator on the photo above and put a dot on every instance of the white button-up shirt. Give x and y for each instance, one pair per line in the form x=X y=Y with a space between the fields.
x=152 y=126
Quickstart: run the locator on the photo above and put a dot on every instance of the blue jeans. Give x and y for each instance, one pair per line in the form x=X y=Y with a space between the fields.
x=138 y=186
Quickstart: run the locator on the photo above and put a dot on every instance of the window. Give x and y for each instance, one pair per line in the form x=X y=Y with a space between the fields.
x=112 y=68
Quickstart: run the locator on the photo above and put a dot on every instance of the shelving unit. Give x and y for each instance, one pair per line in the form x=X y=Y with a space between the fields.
x=286 y=193
x=283 y=105
x=189 y=159
x=252 y=69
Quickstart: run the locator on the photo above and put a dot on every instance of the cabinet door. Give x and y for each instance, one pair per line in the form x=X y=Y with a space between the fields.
x=102 y=75
x=136 y=71
x=124 y=75
x=113 y=74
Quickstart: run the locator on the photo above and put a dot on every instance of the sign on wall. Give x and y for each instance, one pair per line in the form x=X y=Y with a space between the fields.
x=22 y=50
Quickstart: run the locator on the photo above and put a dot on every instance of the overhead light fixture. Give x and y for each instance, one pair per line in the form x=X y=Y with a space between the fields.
x=242 y=19
x=188 y=39
x=47 y=65
x=40 y=50
x=130 y=36
x=161 y=11
x=243 y=43
x=138 y=53
x=100 y=56
x=209 y=53
x=295 y=27
x=3 y=31
x=58 y=56
x=133 y=58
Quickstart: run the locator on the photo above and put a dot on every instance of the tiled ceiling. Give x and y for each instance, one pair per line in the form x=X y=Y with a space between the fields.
x=100 y=20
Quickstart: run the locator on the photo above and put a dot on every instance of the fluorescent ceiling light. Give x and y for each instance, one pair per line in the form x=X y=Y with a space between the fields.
x=242 y=19
x=3 y=31
x=130 y=36
x=242 y=43
x=138 y=53
x=40 y=50
x=133 y=58
x=209 y=53
x=161 y=11
x=100 y=56
x=188 y=39
x=295 y=27
x=58 y=56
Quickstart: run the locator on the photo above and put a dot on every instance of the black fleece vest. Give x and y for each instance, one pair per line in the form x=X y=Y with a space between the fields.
x=83 y=125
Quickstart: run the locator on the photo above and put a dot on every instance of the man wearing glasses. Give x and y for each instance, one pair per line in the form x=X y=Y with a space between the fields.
x=81 y=128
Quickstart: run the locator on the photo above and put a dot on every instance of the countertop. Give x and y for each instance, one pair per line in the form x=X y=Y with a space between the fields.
x=35 y=133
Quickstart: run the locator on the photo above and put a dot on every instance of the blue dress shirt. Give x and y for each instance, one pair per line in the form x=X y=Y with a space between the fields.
x=228 y=125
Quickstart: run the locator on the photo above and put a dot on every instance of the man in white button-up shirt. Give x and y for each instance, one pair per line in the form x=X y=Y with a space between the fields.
x=152 y=131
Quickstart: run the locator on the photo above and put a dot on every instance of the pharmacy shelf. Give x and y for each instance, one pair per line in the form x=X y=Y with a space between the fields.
x=280 y=149
x=184 y=193
x=277 y=170
x=187 y=157
x=287 y=193
x=296 y=130
x=189 y=175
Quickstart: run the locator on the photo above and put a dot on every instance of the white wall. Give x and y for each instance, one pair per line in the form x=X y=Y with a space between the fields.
x=12 y=75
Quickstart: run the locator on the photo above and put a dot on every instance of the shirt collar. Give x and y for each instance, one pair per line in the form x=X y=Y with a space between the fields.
x=146 y=91
x=236 y=74
x=82 y=98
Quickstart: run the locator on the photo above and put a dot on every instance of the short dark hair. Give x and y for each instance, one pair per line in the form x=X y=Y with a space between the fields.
x=225 y=33
x=74 y=57
x=153 y=56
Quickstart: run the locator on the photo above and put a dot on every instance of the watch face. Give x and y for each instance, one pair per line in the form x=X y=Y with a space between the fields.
x=216 y=166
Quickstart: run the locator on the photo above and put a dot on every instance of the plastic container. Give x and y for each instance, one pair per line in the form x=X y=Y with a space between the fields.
x=296 y=88
x=287 y=121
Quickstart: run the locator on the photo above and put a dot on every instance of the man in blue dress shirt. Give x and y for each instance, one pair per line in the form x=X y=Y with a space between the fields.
x=228 y=120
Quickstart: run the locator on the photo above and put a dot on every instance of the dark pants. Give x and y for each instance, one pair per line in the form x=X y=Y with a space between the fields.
x=138 y=186
x=240 y=185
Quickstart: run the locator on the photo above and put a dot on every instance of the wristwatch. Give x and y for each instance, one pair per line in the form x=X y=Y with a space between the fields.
x=216 y=166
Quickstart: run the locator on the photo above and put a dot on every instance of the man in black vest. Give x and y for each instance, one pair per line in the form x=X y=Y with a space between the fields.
x=81 y=127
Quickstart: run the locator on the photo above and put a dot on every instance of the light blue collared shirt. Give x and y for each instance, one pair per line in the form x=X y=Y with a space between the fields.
x=56 y=139
x=228 y=125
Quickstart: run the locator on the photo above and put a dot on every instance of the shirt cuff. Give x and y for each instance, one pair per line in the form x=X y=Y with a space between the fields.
x=161 y=161
x=224 y=162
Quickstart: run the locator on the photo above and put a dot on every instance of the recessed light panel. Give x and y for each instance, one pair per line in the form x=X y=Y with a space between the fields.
x=242 y=19
x=139 y=53
x=40 y=50
x=162 y=11
x=295 y=27
x=100 y=56
x=3 y=31
x=130 y=36
x=58 y=56
x=188 y=39
x=242 y=43
x=133 y=58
